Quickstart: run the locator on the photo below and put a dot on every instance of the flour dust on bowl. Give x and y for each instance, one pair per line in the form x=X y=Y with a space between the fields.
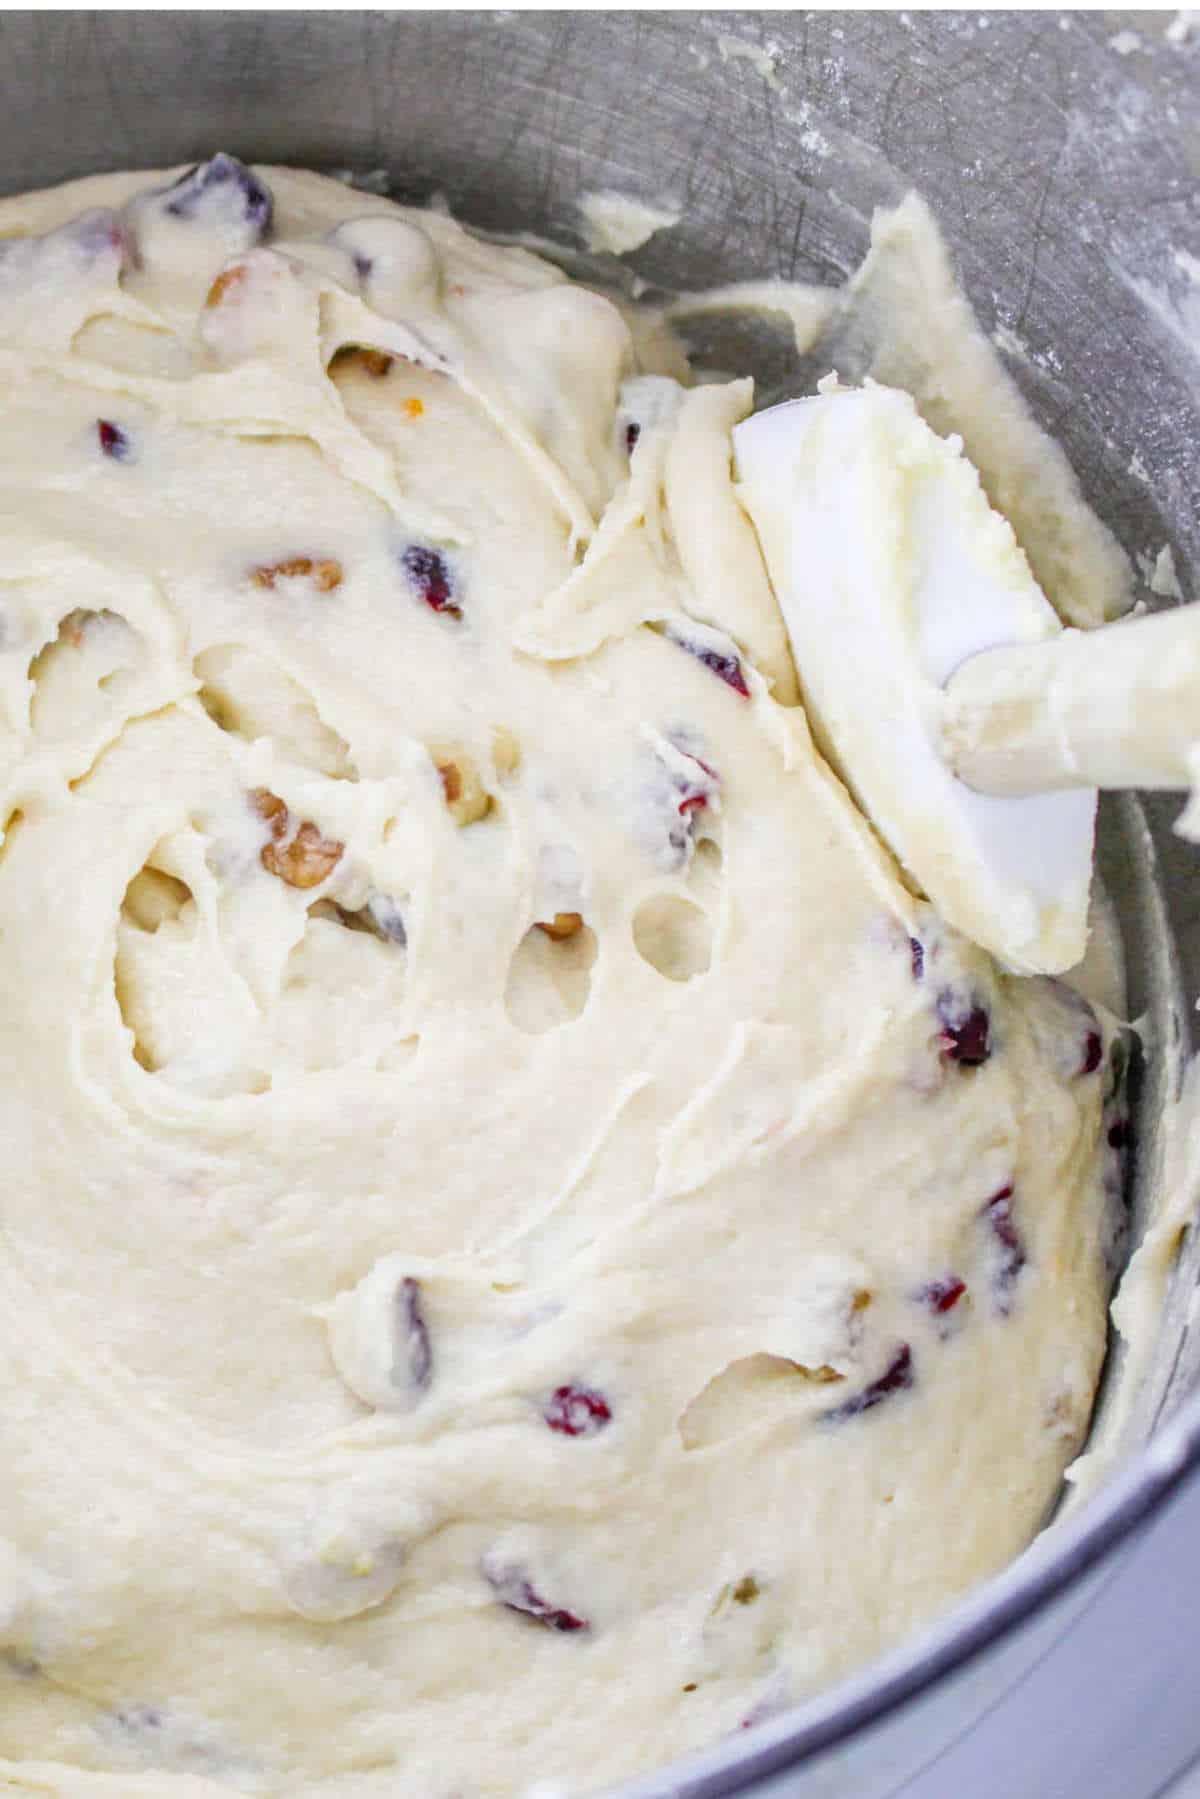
x=520 y=1206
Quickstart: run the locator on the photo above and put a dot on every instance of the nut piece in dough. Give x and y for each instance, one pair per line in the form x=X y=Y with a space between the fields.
x=324 y=573
x=301 y=857
x=467 y=799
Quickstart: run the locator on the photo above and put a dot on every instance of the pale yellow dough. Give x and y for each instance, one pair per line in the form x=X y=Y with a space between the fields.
x=315 y=1195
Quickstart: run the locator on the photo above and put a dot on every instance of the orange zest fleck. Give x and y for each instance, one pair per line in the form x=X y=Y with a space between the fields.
x=225 y=281
x=561 y=926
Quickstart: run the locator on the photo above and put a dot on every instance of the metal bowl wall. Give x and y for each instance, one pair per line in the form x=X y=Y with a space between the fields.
x=1061 y=154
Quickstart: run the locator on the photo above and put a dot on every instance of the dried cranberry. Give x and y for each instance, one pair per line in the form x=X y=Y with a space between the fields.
x=998 y=1216
x=632 y=433
x=1093 y=1053
x=514 y=1589
x=428 y=571
x=696 y=793
x=722 y=663
x=916 y=950
x=998 y=1212
x=113 y=441
x=224 y=189
x=966 y=1031
x=577 y=1411
x=98 y=233
x=895 y=1378
x=942 y=1295
x=414 y=1356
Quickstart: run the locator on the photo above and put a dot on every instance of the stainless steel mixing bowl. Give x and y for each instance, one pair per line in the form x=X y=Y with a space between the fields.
x=1061 y=153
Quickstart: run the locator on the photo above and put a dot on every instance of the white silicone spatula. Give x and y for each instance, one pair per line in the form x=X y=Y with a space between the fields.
x=1114 y=707
x=973 y=730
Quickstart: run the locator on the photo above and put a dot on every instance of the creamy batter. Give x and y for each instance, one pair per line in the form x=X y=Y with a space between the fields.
x=525 y=1248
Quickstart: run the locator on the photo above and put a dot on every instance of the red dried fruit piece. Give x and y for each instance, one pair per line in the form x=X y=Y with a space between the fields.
x=414 y=1355
x=916 y=950
x=942 y=1295
x=896 y=1377
x=430 y=575
x=632 y=432
x=696 y=794
x=998 y=1212
x=517 y=1593
x=998 y=1216
x=1093 y=1053
x=722 y=663
x=93 y=238
x=966 y=1031
x=769 y=1706
x=223 y=192
x=99 y=233
x=113 y=441
x=577 y=1411
x=682 y=793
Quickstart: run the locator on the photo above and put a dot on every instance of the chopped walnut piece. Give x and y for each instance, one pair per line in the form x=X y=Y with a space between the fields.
x=325 y=573
x=300 y=858
x=271 y=809
x=822 y=1374
x=306 y=861
x=467 y=799
x=73 y=626
x=562 y=925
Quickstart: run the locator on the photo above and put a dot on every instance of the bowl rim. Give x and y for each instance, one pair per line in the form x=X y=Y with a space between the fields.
x=1058 y=1557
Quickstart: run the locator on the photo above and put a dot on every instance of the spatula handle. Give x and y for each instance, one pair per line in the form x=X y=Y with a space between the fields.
x=1114 y=707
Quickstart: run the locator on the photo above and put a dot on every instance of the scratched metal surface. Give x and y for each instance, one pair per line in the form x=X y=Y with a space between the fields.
x=1060 y=153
